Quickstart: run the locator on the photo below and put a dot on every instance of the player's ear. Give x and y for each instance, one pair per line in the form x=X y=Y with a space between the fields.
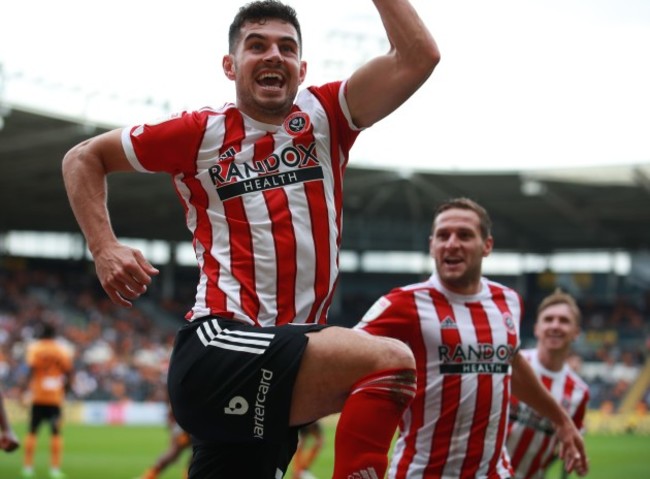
x=488 y=244
x=303 y=70
x=228 y=64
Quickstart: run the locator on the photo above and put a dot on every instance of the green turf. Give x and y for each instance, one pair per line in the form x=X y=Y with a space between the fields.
x=115 y=452
x=614 y=456
x=98 y=452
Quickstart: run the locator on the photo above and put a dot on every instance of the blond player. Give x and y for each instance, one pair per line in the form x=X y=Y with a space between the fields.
x=532 y=442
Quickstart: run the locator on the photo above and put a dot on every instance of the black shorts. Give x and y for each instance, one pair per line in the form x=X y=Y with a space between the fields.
x=252 y=460
x=231 y=382
x=50 y=414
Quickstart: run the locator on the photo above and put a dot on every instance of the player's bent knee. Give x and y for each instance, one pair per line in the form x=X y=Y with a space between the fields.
x=397 y=354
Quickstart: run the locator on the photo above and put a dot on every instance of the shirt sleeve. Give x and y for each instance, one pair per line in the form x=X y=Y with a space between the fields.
x=388 y=317
x=169 y=145
x=332 y=97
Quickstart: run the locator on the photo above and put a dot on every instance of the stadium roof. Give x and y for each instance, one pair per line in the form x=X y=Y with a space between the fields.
x=541 y=211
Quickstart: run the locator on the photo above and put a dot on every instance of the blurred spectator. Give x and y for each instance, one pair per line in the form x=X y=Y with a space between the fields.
x=626 y=316
x=125 y=353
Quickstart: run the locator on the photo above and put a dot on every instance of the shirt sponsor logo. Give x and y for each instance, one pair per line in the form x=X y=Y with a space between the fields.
x=293 y=164
x=482 y=358
x=260 y=403
x=474 y=368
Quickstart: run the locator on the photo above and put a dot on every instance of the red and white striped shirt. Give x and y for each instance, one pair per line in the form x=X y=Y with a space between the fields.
x=532 y=442
x=263 y=202
x=463 y=347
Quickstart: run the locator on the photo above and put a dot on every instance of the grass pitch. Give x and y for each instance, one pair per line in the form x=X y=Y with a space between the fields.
x=121 y=452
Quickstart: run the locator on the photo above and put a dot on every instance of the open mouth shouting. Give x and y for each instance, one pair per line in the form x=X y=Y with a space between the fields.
x=271 y=81
x=452 y=262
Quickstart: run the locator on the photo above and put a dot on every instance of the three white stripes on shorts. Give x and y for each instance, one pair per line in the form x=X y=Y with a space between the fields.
x=211 y=334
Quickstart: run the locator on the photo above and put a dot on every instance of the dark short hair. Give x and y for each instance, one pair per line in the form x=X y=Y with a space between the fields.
x=260 y=12
x=560 y=297
x=485 y=223
x=46 y=330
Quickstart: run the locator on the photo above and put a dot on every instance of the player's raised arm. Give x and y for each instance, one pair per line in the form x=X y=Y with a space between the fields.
x=123 y=272
x=385 y=82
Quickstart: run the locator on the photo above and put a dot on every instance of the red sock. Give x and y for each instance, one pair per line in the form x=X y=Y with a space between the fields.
x=368 y=422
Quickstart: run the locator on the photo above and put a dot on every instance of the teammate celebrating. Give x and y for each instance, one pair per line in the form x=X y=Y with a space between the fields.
x=464 y=332
x=532 y=442
x=261 y=184
x=49 y=377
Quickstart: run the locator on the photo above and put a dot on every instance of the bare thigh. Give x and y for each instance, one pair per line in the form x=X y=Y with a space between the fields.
x=335 y=359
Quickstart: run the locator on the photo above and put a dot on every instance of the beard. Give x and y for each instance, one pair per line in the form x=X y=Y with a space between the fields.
x=459 y=280
x=273 y=107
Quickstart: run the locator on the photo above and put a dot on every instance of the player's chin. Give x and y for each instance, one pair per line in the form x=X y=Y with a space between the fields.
x=452 y=274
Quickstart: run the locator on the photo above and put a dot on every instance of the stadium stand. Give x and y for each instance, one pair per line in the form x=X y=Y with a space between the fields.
x=121 y=353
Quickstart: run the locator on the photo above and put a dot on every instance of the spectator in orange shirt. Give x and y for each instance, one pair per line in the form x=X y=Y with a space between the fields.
x=49 y=378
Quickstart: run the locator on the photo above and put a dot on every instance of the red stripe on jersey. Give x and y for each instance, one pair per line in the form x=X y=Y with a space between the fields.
x=323 y=269
x=450 y=394
x=320 y=230
x=284 y=239
x=483 y=405
x=339 y=163
x=535 y=463
x=320 y=234
x=579 y=416
x=569 y=385
x=215 y=299
x=418 y=346
x=242 y=264
x=419 y=349
x=537 y=459
x=499 y=299
x=522 y=447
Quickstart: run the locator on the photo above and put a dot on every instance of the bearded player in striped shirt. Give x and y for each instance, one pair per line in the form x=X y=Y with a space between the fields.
x=464 y=332
x=532 y=442
x=261 y=185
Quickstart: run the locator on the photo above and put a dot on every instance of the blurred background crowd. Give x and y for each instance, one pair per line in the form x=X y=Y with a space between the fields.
x=122 y=354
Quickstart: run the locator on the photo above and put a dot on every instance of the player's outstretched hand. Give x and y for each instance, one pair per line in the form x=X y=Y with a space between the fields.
x=124 y=273
x=572 y=449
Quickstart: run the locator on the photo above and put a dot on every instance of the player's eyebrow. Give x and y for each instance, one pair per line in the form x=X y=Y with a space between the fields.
x=258 y=36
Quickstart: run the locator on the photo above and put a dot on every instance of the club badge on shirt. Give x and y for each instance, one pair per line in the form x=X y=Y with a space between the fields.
x=296 y=123
x=510 y=324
